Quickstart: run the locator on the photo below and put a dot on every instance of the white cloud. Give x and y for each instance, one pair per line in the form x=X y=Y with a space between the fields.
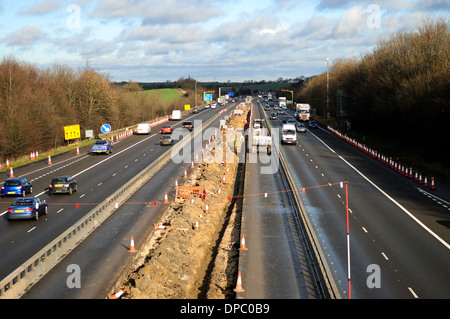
x=25 y=37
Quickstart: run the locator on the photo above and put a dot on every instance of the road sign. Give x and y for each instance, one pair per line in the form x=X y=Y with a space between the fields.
x=106 y=128
x=71 y=132
x=207 y=97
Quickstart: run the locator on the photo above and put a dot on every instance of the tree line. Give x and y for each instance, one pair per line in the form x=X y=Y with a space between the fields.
x=399 y=91
x=36 y=104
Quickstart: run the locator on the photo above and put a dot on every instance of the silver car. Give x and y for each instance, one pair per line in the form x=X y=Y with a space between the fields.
x=300 y=127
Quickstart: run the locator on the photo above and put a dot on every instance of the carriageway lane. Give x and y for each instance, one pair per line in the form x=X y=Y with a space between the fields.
x=412 y=262
x=102 y=256
x=275 y=264
x=98 y=176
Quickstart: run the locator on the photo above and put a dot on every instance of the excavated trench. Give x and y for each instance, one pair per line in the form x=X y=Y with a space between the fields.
x=185 y=261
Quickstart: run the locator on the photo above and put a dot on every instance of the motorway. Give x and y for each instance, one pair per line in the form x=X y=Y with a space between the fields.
x=102 y=255
x=399 y=232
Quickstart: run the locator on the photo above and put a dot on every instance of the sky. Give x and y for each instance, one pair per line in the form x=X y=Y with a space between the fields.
x=226 y=40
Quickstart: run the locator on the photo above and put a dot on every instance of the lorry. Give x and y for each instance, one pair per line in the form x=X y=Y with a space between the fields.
x=261 y=137
x=176 y=115
x=282 y=102
x=302 y=111
x=288 y=134
x=143 y=128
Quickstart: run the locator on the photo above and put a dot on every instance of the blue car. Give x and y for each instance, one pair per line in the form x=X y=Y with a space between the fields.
x=102 y=146
x=27 y=208
x=16 y=186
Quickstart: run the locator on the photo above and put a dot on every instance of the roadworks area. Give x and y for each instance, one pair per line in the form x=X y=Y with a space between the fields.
x=193 y=251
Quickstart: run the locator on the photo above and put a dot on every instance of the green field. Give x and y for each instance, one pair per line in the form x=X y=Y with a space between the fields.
x=167 y=94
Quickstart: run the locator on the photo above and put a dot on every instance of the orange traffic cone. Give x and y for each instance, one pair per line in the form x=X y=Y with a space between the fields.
x=243 y=247
x=166 y=199
x=11 y=173
x=158 y=227
x=185 y=173
x=206 y=209
x=7 y=163
x=219 y=190
x=196 y=226
x=78 y=151
x=176 y=182
x=132 y=247
x=49 y=160
x=425 y=182
x=223 y=180
x=117 y=295
x=432 y=184
x=239 y=283
x=192 y=164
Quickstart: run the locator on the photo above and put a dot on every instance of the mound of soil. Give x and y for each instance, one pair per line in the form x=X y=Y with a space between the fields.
x=184 y=261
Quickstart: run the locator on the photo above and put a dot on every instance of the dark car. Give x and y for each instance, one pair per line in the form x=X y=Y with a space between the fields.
x=16 y=186
x=166 y=140
x=273 y=116
x=102 y=146
x=62 y=184
x=312 y=124
x=188 y=125
x=27 y=208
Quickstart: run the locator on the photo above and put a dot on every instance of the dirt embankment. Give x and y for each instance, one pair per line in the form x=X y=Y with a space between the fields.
x=184 y=262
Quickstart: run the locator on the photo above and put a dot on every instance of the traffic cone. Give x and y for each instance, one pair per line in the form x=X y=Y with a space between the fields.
x=219 y=190
x=117 y=295
x=196 y=226
x=425 y=181
x=11 y=173
x=49 y=160
x=37 y=154
x=223 y=180
x=158 y=227
x=31 y=156
x=432 y=184
x=185 y=173
x=78 y=151
x=7 y=163
x=243 y=247
x=166 y=199
x=132 y=247
x=176 y=182
x=206 y=209
x=239 y=283
x=192 y=164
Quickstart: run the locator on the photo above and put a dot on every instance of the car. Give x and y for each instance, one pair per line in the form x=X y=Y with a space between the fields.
x=27 y=208
x=285 y=119
x=166 y=129
x=300 y=127
x=273 y=116
x=16 y=186
x=195 y=110
x=166 y=140
x=291 y=121
x=102 y=146
x=280 y=112
x=188 y=125
x=312 y=124
x=143 y=128
x=62 y=184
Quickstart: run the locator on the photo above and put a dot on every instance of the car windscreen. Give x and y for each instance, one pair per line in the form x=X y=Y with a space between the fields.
x=22 y=202
x=59 y=180
x=100 y=142
x=12 y=182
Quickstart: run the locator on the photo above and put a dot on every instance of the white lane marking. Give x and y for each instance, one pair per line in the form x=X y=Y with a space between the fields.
x=387 y=196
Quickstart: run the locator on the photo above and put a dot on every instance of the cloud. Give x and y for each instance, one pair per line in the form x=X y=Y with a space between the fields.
x=42 y=8
x=25 y=37
x=157 y=12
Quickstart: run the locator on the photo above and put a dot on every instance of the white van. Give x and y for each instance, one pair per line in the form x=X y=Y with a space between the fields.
x=288 y=134
x=143 y=128
x=176 y=115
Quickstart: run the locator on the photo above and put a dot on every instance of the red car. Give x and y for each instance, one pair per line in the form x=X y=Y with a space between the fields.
x=166 y=129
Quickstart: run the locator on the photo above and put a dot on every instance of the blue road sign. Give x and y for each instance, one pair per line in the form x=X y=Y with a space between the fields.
x=106 y=128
